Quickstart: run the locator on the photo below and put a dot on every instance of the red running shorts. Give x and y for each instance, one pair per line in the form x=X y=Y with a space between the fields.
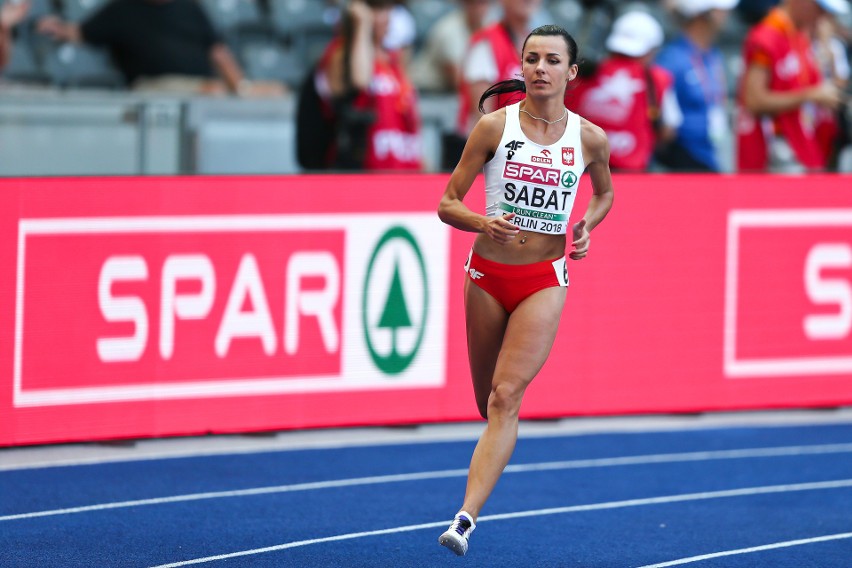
x=511 y=284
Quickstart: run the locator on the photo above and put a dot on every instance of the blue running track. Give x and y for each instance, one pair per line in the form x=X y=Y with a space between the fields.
x=730 y=497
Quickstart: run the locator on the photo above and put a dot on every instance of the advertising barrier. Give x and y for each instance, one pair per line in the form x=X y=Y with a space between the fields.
x=136 y=307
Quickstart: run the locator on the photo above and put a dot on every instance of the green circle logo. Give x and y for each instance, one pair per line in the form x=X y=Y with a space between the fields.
x=569 y=178
x=395 y=301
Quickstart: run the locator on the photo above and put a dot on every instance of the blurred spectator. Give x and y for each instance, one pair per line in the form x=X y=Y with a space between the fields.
x=368 y=96
x=170 y=41
x=830 y=51
x=699 y=84
x=628 y=96
x=11 y=14
x=833 y=132
x=437 y=66
x=783 y=95
x=494 y=55
x=402 y=29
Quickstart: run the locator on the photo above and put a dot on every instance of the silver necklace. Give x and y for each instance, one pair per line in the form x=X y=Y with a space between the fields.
x=564 y=114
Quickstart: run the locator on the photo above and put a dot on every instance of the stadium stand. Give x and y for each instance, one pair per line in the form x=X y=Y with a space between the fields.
x=70 y=66
x=79 y=10
x=268 y=59
x=24 y=65
x=304 y=30
x=230 y=14
x=274 y=40
x=426 y=13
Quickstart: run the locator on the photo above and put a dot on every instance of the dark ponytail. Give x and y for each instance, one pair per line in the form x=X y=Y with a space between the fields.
x=501 y=88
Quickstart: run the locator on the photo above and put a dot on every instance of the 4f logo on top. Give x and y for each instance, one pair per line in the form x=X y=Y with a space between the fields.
x=513 y=147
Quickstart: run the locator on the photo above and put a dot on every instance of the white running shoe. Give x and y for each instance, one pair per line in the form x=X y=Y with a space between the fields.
x=456 y=537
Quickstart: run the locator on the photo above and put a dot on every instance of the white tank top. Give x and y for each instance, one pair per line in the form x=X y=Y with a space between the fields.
x=537 y=183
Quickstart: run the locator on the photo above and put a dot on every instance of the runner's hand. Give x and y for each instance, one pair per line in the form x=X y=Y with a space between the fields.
x=500 y=229
x=581 y=241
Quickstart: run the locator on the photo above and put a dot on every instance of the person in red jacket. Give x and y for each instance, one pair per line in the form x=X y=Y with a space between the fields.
x=782 y=96
x=628 y=96
x=494 y=55
x=366 y=87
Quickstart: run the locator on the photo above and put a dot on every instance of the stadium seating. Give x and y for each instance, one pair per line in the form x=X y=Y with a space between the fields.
x=24 y=65
x=279 y=40
x=233 y=17
x=79 y=10
x=290 y=17
x=567 y=13
x=426 y=13
x=70 y=65
x=271 y=60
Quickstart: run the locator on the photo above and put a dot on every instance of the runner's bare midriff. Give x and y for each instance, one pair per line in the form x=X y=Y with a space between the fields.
x=535 y=248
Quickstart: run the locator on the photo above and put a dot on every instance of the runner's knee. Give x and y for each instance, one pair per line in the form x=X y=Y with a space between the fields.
x=505 y=399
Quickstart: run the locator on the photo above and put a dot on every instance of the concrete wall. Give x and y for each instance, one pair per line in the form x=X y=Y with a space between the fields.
x=47 y=133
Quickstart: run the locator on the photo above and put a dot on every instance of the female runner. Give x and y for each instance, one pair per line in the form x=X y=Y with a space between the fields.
x=532 y=154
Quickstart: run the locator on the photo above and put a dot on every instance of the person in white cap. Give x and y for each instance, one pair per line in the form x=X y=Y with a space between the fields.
x=700 y=86
x=628 y=96
x=783 y=97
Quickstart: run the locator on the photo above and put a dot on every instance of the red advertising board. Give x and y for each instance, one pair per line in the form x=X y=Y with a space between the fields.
x=135 y=307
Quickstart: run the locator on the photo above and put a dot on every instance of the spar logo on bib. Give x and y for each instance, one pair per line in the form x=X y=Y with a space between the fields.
x=395 y=303
x=531 y=174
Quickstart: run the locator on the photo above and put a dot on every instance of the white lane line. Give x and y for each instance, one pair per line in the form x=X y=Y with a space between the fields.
x=772 y=546
x=441 y=474
x=744 y=492
x=246 y=492
x=299 y=543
